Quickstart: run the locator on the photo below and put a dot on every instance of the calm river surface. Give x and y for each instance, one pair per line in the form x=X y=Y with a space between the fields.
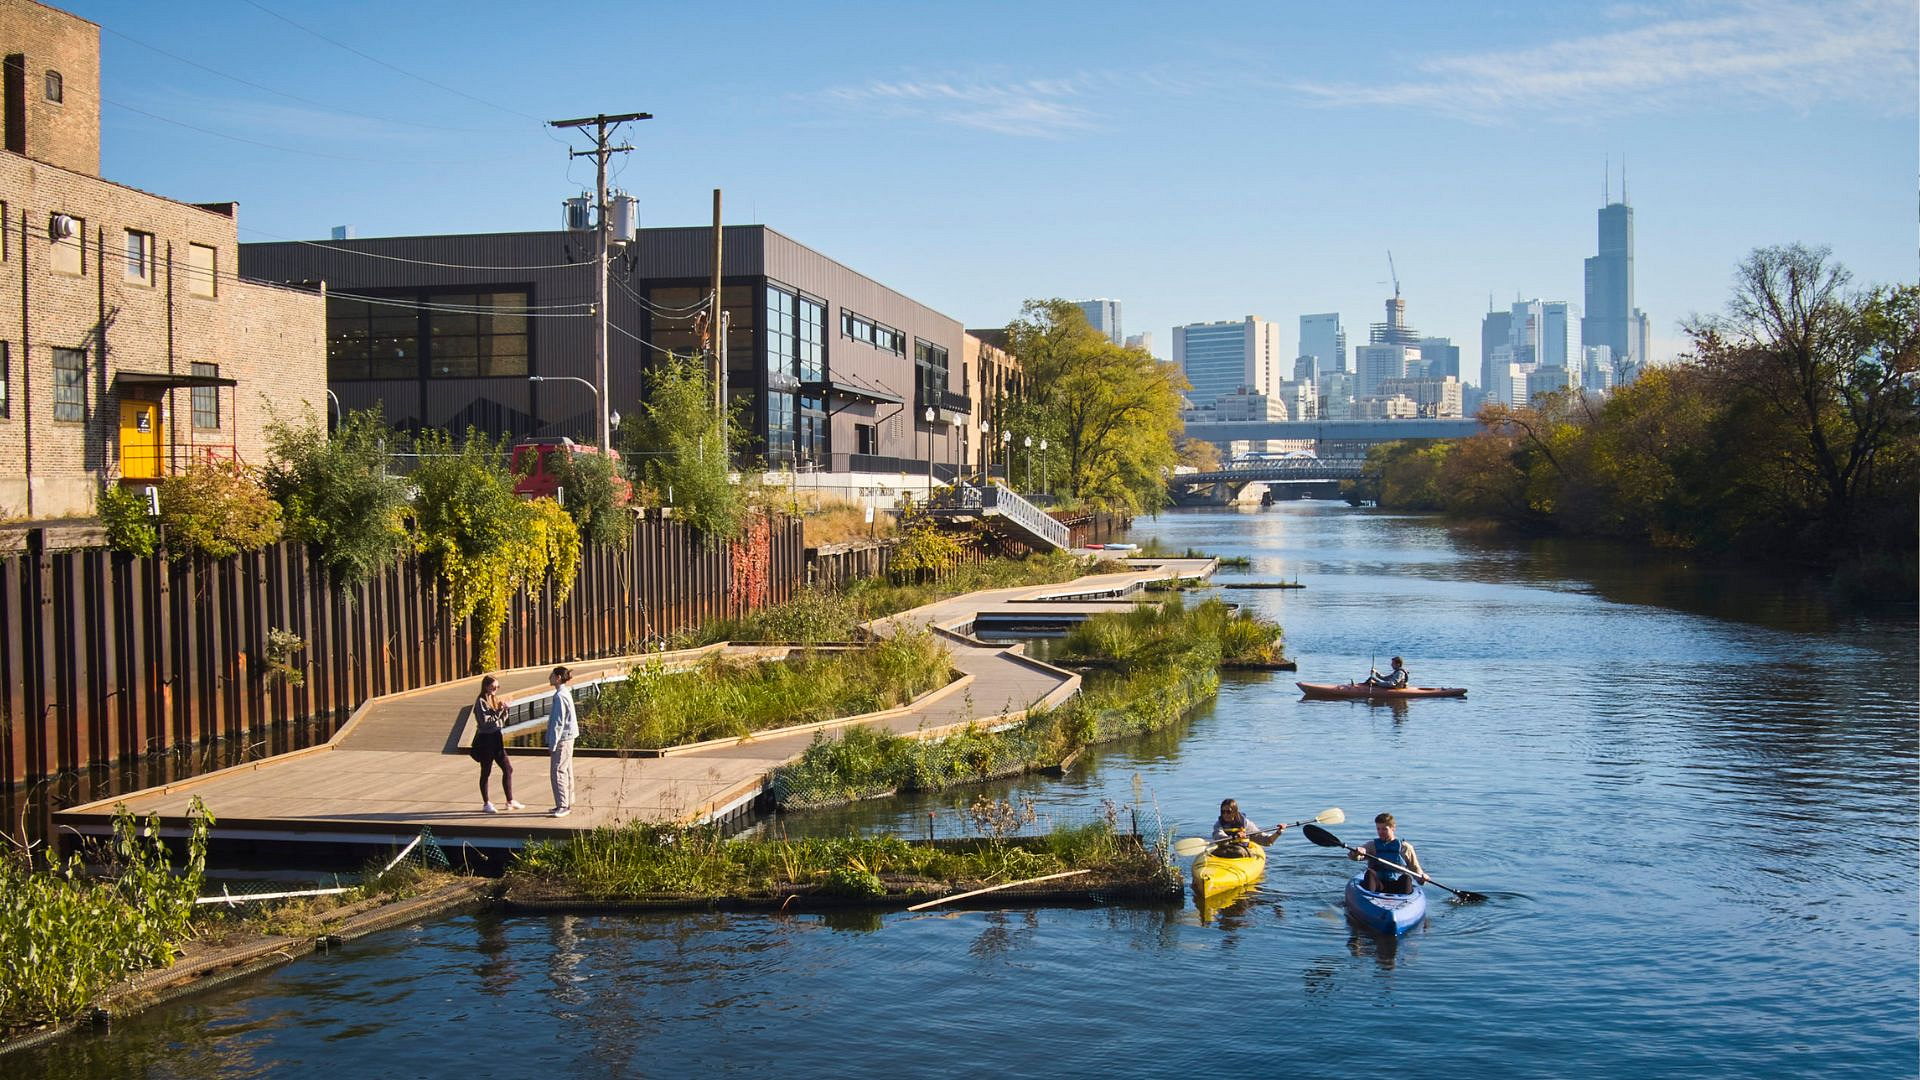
x=1692 y=797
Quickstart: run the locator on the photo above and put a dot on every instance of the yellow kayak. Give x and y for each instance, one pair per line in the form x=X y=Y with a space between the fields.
x=1213 y=875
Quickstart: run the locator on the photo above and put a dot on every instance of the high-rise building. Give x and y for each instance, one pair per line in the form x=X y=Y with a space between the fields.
x=1322 y=338
x=1221 y=357
x=1440 y=357
x=1611 y=318
x=1557 y=321
x=1104 y=316
x=1142 y=340
x=1596 y=368
x=1392 y=348
x=1530 y=335
x=1496 y=330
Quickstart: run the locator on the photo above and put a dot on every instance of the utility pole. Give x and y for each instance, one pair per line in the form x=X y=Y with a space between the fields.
x=719 y=324
x=600 y=153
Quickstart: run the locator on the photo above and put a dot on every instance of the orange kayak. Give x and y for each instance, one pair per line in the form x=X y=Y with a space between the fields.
x=1363 y=692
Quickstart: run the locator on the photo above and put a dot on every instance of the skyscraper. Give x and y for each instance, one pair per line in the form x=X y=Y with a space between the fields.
x=1104 y=316
x=1440 y=357
x=1557 y=319
x=1392 y=347
x=1322 y=338
x=1496 y=331
x=1611 y=318
x=1221 y=357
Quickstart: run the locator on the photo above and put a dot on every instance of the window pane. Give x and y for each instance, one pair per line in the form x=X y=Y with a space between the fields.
x=69 y=384
x=206 y=399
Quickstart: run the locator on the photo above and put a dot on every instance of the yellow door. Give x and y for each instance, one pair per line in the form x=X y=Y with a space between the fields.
x=140 y=440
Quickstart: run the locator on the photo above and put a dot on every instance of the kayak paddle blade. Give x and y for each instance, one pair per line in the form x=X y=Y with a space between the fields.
x=1191 y=846
x=1322 y=837
x=1332 y=815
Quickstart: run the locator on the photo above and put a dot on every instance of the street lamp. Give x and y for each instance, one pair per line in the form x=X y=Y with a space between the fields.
x=1028 y=443
x=1044 y=487
x=929 y=417
x=582 y=382
x=986 y=448
x=1006 y=454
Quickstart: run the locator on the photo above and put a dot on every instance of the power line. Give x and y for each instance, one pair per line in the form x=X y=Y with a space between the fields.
x=390 y=67
x=328 y=246
x=292 y=97
x=266 y=145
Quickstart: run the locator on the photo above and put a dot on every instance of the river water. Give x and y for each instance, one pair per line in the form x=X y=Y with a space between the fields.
x=1691 y=796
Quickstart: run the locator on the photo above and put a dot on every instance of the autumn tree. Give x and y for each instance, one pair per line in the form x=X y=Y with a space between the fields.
x=1110 y=413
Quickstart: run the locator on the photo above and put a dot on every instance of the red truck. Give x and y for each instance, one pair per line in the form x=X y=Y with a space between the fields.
x=532 y=464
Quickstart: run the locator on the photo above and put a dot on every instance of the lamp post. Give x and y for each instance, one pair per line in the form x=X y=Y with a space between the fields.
x=583 y=382
x=1027 y=442
x=1006 y=454
x=929 y=419
x=1044 y=487
x=986 y=449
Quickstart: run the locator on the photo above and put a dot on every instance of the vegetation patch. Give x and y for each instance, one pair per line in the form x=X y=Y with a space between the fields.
x=638 y=862
x=1166 y=660
x=655 y=708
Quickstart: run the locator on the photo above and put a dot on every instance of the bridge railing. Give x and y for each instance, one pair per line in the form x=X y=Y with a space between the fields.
x=998 y=498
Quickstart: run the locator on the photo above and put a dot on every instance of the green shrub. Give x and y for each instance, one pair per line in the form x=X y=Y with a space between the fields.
x=337 y=492
x=64 y=937
x=129 y=527
x=676 y=449
x=596 y=496
x=217 y=509
x=481 y=540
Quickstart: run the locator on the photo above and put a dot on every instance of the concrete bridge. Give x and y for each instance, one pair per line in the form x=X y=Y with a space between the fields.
x=1333 y=439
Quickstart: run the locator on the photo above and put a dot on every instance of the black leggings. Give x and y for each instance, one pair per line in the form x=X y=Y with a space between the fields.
x=506 y=774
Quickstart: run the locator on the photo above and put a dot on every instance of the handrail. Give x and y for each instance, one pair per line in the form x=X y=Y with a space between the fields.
x=998 y=497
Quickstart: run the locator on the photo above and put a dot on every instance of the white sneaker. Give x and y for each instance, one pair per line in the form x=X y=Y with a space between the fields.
x=562 y=811
x=514 y=805
x=487 y=808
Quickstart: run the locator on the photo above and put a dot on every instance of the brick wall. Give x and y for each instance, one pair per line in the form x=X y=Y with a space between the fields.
x=65 y=132
x=270 y=339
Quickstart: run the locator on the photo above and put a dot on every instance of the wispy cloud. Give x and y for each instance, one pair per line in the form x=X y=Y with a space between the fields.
x=1857 y=51
x=1029 y=108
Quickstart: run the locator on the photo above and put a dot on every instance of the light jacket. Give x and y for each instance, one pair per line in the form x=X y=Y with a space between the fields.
x=563 y=722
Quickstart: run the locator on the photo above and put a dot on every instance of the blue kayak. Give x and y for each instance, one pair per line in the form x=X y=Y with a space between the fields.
x=1390 y=914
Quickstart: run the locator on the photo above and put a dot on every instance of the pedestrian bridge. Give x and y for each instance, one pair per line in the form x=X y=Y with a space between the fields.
x=1296 y=470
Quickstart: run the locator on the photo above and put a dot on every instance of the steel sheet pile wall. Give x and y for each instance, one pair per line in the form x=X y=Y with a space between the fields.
x=106 y=657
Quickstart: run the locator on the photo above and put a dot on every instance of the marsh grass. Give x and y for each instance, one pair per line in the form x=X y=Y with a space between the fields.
x=724 y=698
x=1166 y=660
x=638 y=860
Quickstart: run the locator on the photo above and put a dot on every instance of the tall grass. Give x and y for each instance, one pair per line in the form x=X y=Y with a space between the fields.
x=654 y=708
x=1152 y=635
x=639 y=859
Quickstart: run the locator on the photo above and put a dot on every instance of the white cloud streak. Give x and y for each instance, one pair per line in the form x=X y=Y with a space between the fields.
x=1031 y=108
x=1800 y=55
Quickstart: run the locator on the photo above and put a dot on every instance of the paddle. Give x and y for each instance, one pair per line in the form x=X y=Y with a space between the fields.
x=1194 y=845
x=1326 y=839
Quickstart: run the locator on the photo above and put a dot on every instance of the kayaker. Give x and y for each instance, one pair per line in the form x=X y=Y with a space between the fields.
x=1234 y=830
x=1393 y=679
x=1386 y=845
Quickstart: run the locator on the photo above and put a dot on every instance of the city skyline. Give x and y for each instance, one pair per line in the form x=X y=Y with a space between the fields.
x=1073 y=176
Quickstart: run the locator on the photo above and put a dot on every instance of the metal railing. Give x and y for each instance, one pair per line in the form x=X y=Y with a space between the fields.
x=997 y=498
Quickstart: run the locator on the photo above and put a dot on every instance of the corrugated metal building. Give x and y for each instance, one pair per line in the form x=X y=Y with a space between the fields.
x=836 y=370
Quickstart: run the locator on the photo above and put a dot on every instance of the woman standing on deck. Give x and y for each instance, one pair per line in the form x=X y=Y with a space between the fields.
x=563 y=726
x=490 y=744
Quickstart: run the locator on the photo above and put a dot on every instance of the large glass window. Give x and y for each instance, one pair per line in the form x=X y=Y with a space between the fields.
x=930 y=374
x=811 y=440
x=372 y=341
x=206 y=400
x=780 y=332
x=70 y=384
x=812 y=339
x=454 y=334
x=780 y=415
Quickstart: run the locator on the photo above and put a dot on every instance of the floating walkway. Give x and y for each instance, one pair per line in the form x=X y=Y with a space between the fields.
x=399 y=763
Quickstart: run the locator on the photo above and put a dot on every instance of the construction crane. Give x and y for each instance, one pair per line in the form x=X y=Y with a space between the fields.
x=1395 y=274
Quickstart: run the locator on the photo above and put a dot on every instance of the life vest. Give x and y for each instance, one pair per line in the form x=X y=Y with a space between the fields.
x=1389 y=850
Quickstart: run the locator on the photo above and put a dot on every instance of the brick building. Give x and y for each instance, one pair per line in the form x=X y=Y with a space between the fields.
x=129 y=347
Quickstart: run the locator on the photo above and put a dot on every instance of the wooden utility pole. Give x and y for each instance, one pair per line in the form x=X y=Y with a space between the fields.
x=719 y=324
x=603 y=125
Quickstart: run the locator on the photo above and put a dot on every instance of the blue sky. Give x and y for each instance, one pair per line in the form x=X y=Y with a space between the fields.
x=1196 y=162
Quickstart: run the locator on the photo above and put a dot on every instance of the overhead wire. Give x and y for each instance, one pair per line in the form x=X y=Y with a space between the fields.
x=294 y=97
x=391 y=67
x=329 y=246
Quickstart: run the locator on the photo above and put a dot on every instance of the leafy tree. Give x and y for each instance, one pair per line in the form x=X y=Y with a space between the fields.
x=1836 y=368
x=596 y=496
x=337 y=492
x=1409 y=475
x=676 y=448
x=1198 y=453
x=217 y=508
x=482 y=541
x=1110 y=413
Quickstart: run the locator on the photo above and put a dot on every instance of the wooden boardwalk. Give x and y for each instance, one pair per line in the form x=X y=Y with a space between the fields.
x=398 y=763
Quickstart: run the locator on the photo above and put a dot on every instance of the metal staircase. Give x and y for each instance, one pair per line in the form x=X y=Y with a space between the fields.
x=998 y=508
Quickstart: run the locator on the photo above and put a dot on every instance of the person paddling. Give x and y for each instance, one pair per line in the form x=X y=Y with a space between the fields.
x=1394 y=678
x=1388 y=846
x=1233 y=830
